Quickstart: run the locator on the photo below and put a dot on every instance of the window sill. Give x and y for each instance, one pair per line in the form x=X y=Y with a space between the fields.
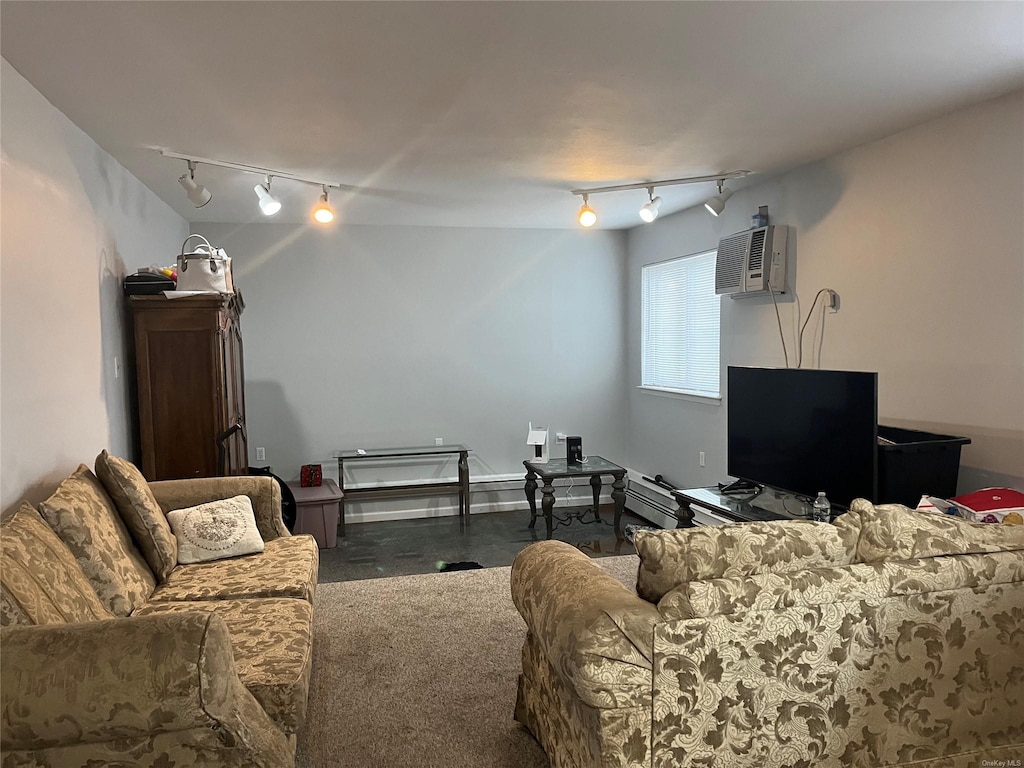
x=680 y=394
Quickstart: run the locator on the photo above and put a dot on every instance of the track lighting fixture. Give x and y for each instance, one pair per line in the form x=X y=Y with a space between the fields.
x=269 y=204
x=587 y=215
x=197 y=194
x=717 y=203
x=649 y=210
x=323 y=211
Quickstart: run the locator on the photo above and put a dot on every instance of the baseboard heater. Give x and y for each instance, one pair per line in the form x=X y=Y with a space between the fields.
x=657 y=505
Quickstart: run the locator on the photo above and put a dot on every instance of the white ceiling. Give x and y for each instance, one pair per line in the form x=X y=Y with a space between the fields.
x=487 y=113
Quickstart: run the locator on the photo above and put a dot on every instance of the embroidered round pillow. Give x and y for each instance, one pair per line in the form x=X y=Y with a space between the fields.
x=215 y=530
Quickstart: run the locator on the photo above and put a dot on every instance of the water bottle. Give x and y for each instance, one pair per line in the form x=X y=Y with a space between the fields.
x=822 y=511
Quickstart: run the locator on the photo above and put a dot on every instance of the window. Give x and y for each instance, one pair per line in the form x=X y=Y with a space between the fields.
x=681 y=326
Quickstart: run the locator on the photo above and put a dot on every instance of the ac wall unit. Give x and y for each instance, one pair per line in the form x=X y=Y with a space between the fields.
x=748 y=262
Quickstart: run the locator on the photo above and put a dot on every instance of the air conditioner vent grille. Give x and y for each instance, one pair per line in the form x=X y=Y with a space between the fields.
x=757 y=250
x=729 y=263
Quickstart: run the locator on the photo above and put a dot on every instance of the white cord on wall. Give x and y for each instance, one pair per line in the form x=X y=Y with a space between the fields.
x=778 y=317
x=800 y=337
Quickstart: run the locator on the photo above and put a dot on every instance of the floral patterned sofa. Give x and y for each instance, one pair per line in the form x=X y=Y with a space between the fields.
x=112 y=654
x=891 y=638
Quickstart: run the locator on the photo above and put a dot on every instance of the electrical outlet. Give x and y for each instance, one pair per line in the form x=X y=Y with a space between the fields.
x=438 y=441
x=117 y=366
x=832 y=302
x=560 y=437
x=261 y=454
x=702 y=459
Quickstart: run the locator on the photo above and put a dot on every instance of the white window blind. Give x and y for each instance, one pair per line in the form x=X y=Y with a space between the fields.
x=680 y=346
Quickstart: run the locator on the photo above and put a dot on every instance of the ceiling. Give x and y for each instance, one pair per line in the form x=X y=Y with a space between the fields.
x=488 y=113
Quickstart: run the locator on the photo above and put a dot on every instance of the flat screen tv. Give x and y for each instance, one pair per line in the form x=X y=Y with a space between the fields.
x=805 y=431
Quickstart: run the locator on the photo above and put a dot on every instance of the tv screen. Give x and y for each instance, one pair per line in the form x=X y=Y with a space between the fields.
x=804 y=431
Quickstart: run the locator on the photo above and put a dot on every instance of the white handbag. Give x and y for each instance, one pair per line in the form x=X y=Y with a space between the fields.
x=204 y=269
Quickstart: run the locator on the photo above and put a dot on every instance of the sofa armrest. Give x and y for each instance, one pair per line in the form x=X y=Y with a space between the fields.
x=98 y=681
x=262 y=490
x=591 y=628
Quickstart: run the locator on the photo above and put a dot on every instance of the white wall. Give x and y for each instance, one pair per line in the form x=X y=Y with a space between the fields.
x=920 y=233
x=74 y=222
x=361 y=336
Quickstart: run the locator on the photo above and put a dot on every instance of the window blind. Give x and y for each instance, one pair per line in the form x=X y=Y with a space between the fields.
x=681 y=312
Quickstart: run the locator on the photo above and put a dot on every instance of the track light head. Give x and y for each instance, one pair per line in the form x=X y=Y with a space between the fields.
x=323 y=212
x=197 y=194
x=649 y=210
x=587 y=215
x=269 y=205
x=716 y=204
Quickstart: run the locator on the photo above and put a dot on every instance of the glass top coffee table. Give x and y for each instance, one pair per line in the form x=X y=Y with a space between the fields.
x=593 y=467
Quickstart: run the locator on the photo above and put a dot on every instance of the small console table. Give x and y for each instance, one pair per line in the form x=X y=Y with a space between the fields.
x=594 y=467
x=442 y=487
x=768 y=504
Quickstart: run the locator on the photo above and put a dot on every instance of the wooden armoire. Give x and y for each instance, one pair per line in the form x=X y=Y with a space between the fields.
x=191 y=394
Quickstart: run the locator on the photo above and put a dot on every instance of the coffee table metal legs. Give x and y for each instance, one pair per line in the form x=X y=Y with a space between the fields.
x=595 y=487
x=619 y=497
x=464 y=486
x=547 y=503
x=531 y=496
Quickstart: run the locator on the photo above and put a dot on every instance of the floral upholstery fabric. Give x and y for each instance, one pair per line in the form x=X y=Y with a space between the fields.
x=915 y=662
x=674 y=557
x=287 y=567
x=172 y=684
x=860 y=682
x=271 y=640
x=156 y=691
x=895 y=532
x=573 y=733
x=598 y=635
x=40 y=579
x=140 y=512
x=83 y=516
x=262 y=490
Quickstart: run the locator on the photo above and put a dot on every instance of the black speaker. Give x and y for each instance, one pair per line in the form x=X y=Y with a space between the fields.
x=573 y=450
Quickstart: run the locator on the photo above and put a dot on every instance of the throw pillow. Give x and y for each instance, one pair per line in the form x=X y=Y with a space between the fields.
x=41 y=582
x=895 y=532
x=216 y=530
x=674 y=557
x=84 y=517
x=141 y=513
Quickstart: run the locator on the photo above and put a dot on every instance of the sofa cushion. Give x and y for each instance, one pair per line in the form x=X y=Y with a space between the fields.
x=272 y=641
x=83 y=516
x=215 y=530
x=674 y=557
x=140 y=512
x=895 y=532
x=41 y=582
x=287 y=567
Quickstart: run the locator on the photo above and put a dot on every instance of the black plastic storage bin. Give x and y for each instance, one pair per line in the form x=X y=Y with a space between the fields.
x=917 y=463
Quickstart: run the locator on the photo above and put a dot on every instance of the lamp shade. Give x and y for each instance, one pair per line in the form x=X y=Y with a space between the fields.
x=649 y=211
x=197 y=194
x=269 y=204
x=587 y=216
x=716 y=204
x=323 y=212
